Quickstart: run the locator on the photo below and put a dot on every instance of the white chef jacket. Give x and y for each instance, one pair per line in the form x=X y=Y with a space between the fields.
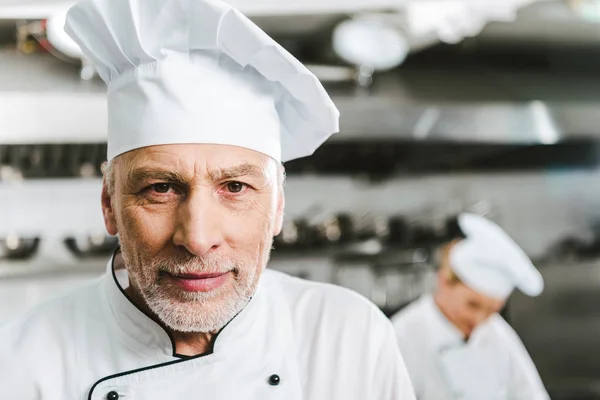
x=492 y=365
x=322 y=341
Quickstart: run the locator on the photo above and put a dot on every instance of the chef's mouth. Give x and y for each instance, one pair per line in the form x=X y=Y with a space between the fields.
x=198 y=282
x=195 y=275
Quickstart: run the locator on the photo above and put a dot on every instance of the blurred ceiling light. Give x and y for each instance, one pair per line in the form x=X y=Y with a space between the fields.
x=59 y=38
x=451 y=21
x=370 y=41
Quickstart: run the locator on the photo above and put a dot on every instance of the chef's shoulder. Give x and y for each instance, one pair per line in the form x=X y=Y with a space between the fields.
x=342 y=339
x=45 y=331
x=502 y=332
x=411 y=319
x=326 y=306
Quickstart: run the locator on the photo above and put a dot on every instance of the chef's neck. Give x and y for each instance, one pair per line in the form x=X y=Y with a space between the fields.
x=441 y=305
x=186 y=343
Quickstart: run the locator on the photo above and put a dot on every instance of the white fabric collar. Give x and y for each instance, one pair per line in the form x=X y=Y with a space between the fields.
x=442 y=332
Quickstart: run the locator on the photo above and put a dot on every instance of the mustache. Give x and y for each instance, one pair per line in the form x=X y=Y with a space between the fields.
x=188 y=263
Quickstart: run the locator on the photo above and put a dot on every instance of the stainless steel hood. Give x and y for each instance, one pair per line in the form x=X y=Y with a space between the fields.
x=42 y=100
x=475 y=106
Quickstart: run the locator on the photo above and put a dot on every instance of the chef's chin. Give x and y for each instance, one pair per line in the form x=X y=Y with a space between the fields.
x=185 y=311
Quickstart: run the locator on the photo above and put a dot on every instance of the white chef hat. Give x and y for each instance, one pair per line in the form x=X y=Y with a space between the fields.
x=198 y=71
x=490 y=262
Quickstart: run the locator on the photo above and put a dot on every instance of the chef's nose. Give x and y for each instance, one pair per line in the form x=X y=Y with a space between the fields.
x=199 y=225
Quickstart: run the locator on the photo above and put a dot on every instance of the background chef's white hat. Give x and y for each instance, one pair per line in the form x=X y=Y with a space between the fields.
x=198 y=71
x=490 y=262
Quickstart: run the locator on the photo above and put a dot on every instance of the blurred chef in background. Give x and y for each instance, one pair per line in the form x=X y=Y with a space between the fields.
x=203 y=108
x=454 y=342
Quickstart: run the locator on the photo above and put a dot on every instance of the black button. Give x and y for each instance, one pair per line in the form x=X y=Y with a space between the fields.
x=274 y=380
x=112 y=396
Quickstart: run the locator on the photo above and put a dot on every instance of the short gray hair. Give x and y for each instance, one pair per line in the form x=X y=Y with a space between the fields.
x=108 y=171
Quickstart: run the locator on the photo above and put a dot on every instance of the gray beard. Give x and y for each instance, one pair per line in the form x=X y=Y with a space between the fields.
x=200 y=312
x=195 y=312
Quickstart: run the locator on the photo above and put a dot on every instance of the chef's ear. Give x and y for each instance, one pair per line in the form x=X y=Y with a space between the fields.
x=445 y=274
x=108 y=185
x=442 y=278
x=280 y=207
x=278 y=223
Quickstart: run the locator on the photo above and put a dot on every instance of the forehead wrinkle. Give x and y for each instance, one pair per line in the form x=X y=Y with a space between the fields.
x=148 y=163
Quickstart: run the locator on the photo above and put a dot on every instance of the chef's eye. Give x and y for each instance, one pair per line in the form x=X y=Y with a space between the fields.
x=161 y=187
x=235 y=187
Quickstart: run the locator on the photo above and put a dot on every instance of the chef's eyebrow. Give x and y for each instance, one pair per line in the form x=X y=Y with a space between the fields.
x=143 y=174
x=237 y=171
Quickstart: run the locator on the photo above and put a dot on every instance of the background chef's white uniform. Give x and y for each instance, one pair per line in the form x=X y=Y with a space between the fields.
x=197 y=71
x=493 y=364
x=322 y=341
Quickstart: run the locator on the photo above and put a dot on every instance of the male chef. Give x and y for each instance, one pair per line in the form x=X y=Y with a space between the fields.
x=454 y=343
x=203 y=108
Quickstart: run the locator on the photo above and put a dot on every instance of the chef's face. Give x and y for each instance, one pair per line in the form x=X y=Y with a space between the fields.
x=196 y=225
x=466 y=308
x=463 y=306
